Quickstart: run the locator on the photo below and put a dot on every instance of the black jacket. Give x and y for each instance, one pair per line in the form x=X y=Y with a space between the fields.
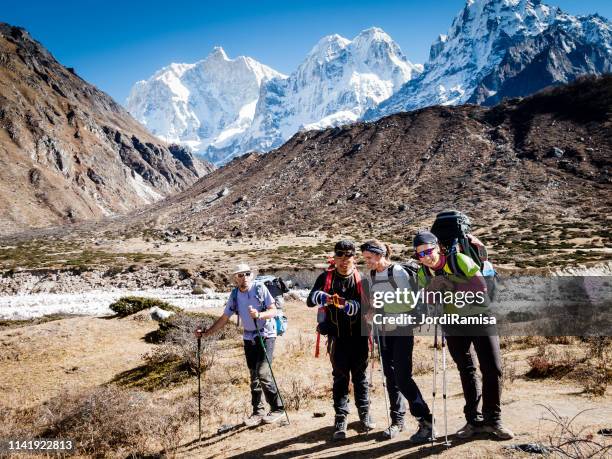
x=337 y=322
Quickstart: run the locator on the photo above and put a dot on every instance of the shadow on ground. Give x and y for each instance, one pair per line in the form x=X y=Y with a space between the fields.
x=318 y=441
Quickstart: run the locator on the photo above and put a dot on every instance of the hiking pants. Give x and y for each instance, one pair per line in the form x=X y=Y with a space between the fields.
x=261 y=377
x=489 y=358
x=396 y=352
x=349 y=359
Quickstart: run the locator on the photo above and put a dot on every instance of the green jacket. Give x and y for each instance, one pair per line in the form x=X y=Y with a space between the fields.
x=469 y=295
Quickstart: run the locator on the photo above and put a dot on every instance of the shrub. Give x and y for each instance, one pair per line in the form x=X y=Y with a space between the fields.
x=509 y=372
x=128 y=305
x=550 y=363
x=162 y=369
x=178 y=345
x=109 y=421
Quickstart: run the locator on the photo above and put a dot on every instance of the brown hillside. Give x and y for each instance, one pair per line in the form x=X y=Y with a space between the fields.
x=540 y=165
x=68 y=151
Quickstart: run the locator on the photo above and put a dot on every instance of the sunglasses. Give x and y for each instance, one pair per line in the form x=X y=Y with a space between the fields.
x=425 y=252
x=343 y=253
x=241 y=275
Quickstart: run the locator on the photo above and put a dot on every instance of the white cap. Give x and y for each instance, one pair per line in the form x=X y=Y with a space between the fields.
x=241 y=268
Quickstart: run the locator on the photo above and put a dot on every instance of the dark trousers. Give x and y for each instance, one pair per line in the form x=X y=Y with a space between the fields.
x=489 y=358
x=396 y=352
x=261 y=377
x=349 y=359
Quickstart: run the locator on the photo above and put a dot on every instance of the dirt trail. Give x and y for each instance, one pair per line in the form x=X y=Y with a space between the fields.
x=308 y=436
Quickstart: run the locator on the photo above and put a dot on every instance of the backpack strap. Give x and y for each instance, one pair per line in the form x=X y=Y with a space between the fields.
x=259 y=294
x=390 y=276
x=234 y=304
x=454 y=265
x=358 y=282
x=326 y=288
x=328 y=280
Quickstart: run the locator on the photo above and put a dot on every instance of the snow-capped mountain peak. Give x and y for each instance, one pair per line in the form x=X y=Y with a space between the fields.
x=193 y=104
x=474 y=59
x=222 y=107
x=493 y=49
x=218 y=53
x=328 y=47
x=337 y=81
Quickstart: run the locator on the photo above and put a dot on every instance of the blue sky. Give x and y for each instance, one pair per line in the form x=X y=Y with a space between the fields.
x=113 y=44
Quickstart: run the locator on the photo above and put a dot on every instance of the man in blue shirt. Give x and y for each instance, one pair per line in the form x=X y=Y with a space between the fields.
x=256 y=308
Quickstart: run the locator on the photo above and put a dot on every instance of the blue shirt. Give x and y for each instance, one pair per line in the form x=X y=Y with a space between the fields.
x=267 y=327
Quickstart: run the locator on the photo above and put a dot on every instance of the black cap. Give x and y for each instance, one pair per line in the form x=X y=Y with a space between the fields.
x=344 y=245
x=424 y=237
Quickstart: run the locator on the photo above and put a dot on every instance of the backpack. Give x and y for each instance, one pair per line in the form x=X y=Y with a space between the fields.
x=276 y=286
x=452 y=228
x=411 y=267
x=280 y=321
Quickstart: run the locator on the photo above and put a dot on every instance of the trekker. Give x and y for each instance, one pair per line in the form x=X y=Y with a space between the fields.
x=338 y=293
x=435 y=269
x=396 y=344
x=255 y=306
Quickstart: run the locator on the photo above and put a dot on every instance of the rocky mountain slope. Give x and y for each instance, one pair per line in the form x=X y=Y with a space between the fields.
x=529 y=167
x=496 y=49
x=68 y=151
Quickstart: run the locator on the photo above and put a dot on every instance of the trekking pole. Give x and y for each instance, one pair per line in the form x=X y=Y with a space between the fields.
x=383 y=374
x=371 y=384
x=263 y=346
x=435 y=372
x=443 y=337
x=199 y=335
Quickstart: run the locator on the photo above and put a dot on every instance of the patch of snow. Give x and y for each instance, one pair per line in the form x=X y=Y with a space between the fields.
x=146 y=192
x=97 y=302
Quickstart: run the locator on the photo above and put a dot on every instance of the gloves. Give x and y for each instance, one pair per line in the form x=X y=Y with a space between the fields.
x=320 y=298
x=351 y=307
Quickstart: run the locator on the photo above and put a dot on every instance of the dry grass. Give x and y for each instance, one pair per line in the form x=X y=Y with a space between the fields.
x=298 y=395
x=509 y=371
x=587 y=361
x=599 y=373
x=104 y=422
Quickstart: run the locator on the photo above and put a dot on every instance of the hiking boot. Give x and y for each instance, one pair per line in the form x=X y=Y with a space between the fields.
x=273 y=416
x=424 y=433
x=393 y=430
x=468 y=430
x=339 y=428
x=366 y=421
x=501 y=432
x=253 y=420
